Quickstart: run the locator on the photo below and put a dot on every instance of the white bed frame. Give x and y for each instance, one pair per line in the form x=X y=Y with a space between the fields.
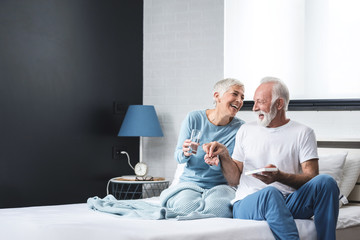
x=76 y=221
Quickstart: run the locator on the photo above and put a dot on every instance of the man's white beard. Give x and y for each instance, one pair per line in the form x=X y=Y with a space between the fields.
x=268 y=117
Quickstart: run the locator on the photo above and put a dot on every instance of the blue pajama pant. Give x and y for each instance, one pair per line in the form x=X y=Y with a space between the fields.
x=319 y=197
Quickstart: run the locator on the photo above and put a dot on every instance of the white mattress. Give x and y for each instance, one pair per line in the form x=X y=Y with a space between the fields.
x=349 y=216
x=76 y=221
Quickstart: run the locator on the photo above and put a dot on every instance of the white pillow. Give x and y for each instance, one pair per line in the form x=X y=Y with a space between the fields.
x=178 y=172
x=351 y=173
x=351 y=169
x=333 y=164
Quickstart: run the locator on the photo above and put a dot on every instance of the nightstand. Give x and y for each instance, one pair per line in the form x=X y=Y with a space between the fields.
x=127 y=187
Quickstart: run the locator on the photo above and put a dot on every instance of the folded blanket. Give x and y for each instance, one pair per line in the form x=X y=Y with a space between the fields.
x=184 y=201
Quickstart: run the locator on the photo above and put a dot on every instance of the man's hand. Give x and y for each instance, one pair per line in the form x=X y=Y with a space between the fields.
x=268 y=177
x=213 y=149
x=230 y=168
x=309 y=168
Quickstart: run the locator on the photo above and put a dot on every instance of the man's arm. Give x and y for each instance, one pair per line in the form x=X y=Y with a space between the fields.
x=231 y=169
x=309 y=168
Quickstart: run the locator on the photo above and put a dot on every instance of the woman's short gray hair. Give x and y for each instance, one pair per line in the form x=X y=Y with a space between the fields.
x=279 y=90
x=223 y=85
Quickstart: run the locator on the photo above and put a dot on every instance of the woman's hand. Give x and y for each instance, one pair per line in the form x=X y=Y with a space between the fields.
x=212 y=160
x=213 y=150
x=186 y=148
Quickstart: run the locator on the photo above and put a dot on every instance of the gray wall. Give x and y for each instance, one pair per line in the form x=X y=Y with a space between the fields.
x=63 y=63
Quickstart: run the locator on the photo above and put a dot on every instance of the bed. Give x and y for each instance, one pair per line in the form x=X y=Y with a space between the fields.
x=77 y=221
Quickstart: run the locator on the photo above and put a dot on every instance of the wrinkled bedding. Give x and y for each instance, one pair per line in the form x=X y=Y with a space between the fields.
x=185 y=201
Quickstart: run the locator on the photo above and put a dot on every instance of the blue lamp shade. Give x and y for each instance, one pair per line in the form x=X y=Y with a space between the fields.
x=140 y=121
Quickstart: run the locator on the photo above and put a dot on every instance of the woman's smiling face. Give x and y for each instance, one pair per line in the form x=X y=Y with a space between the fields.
x=232 y=100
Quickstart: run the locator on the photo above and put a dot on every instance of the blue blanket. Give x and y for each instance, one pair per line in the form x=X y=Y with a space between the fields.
x=184 y=201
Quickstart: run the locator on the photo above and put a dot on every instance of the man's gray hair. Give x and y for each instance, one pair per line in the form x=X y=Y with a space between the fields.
x=223 y=85
x=279 y=90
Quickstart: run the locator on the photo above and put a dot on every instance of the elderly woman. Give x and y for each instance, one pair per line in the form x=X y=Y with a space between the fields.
x=219 y=124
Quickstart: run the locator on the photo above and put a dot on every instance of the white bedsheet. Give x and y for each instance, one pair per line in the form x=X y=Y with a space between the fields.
x=77 y=221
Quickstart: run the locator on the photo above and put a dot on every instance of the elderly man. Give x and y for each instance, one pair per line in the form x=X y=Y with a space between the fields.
x=294 y=190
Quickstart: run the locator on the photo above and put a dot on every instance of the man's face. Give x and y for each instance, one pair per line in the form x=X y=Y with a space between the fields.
x=264 y=110
x=264 y=118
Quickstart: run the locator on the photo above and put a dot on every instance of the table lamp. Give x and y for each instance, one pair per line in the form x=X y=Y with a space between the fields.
x=140 y=121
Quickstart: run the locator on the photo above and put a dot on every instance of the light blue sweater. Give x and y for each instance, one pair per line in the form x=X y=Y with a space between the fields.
x=196 y=170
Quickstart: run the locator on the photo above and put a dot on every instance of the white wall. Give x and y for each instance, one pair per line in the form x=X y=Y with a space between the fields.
x=311 y=44
x=183 y=58
x=265 y=38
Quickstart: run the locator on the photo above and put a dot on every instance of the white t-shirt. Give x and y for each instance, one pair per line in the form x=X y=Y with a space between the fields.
x=286 y=147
